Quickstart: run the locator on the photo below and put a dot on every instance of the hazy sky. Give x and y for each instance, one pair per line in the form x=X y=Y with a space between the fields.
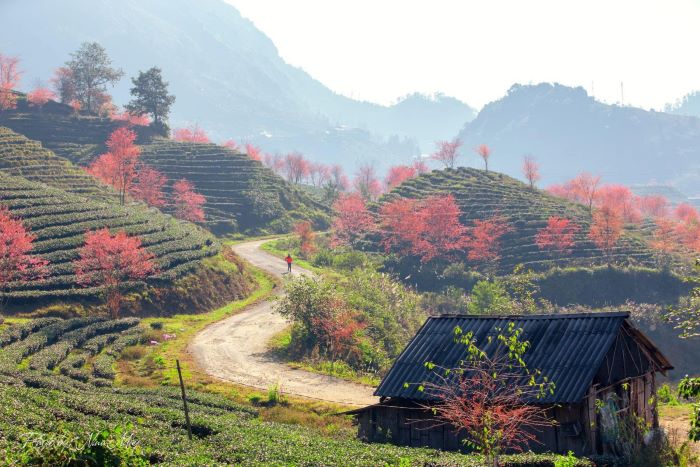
x=378 y=50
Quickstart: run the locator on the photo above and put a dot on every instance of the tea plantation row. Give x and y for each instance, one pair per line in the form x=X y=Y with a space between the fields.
x=241 y=193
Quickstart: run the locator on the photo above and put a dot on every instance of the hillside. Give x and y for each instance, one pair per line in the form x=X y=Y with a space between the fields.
x=74 y=137
x=688 y=105
x=59 y=219
x=22 y=157
x=568 y=131
x=248 y=91
x=481 y=195
x=242 y=194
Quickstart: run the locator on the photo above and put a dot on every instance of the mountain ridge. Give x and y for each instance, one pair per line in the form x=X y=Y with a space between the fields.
x=568 y=131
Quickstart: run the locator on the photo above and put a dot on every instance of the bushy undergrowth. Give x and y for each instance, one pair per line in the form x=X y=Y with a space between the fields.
x=604 y=285
x=363 y=318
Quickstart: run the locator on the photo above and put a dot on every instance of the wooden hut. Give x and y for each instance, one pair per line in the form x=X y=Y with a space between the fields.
x=598 y=362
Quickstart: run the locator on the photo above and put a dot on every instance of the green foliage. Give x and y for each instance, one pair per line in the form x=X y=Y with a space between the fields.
x=605 y=286
x=391 y=311
x=91 y=72
x=389 y=315
x=689 y=388
x=150 y=96
x=523 y=290
x=274 y=395
x=665 y=395
x=568 y=461
x=489 y=297
x=110 y=447
x=323 y=258
x=686 y=316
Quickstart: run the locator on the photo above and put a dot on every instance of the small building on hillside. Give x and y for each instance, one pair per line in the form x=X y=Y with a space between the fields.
x=602 y=366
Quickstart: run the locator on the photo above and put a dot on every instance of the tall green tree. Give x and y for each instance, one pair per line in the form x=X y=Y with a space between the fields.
x=91 y=71
x=151 y=97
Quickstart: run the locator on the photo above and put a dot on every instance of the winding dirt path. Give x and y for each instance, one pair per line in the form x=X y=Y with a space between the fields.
x=235 y=349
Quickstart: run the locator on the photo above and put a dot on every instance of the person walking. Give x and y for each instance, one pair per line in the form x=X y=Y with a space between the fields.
x=288 y=259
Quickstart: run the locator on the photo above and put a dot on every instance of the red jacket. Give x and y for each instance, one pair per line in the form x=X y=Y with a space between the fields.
x=288 y=259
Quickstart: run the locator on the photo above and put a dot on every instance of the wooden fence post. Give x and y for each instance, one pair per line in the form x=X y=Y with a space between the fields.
x=184 y=401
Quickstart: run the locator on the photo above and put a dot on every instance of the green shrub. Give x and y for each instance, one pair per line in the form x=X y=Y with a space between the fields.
x=256 y=398
x=274 y=395
x=665 y=395
x=349 y=260
x=607 y=286
x=489 y=297
x=109 y=447
x=568 y=461
x=323 y=258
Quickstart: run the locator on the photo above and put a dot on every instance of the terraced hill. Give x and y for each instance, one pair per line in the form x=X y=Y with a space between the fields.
x=25 y=158
x=59 y=220
x=242 y=194
x=76 y=138
x=483 y=194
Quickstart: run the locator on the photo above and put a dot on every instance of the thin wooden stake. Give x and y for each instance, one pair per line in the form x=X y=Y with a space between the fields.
x=184 y=401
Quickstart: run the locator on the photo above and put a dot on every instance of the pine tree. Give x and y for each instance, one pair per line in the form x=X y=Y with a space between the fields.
x=151 y=97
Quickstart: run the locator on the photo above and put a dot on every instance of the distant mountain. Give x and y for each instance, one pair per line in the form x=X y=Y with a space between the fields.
x=425 y=119
x=688 y=105
x=568 y=131
x=227 y=75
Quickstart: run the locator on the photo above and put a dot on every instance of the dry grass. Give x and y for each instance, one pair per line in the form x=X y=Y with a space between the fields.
x=675 y=420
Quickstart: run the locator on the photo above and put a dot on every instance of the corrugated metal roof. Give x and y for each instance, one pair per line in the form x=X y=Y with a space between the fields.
x=567 y=348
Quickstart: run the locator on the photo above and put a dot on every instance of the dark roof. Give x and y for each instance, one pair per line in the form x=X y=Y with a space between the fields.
x=568 y=349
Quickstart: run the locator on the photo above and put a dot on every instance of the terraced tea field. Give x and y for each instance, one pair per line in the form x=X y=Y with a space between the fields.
x=22 y=157
x=59 y=220
x=481 y=195
x=57 y=393
x=76 y=138
x=241 y=193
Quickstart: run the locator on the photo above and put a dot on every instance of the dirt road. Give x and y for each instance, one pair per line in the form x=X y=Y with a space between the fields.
x=235 y=349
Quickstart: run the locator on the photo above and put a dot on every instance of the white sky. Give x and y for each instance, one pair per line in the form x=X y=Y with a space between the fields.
x=379 y=50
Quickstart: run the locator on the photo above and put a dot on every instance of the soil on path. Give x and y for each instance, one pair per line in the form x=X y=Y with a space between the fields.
x=235 y=349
